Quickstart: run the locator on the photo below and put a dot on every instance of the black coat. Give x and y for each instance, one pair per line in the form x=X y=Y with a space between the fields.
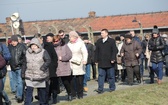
x=156 y=45
x=53 y=65
x=90 y=49
x=105 y=53
x=18 y=53
x=144 y=45
x=66 y=39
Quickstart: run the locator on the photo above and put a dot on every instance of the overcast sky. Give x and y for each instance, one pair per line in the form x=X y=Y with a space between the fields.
x=32 y=10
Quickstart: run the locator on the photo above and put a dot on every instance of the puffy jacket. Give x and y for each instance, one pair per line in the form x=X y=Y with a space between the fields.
x=166 y=48
x=37 y=63
x=17 y=56
x=156 y=45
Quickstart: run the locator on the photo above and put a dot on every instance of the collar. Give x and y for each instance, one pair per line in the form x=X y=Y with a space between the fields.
x=105 y=39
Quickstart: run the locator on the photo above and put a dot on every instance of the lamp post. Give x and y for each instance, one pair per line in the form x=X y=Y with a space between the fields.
x=140 y=25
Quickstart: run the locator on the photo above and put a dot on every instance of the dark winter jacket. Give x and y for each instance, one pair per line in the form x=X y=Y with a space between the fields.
x=166 y=48
x=90 y=49
x=49 y=47
x=156 y=45
x=18 y=53
x=144 y=45
x=105 y=53
x=66 y=39
x=130 y=50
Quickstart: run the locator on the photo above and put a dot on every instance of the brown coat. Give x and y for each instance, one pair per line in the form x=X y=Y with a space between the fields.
x=129 y=51
x=63 y=68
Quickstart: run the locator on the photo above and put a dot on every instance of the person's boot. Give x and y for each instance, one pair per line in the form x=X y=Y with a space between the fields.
x=54 y=96
x=123 y=75
x=69 y=97
x=166 y=72
x=85 y=89
x=1 y=103
x=151 y=76
x=8 y=103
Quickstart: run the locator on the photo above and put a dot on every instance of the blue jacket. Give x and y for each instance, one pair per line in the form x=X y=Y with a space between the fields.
x=5 y=52
x=7 y=56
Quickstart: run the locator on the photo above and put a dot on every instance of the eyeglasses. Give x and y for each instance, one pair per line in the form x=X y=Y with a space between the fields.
x=62 y=35
x=56 y=40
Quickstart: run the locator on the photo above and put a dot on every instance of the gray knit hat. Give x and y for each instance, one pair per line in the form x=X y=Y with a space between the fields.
x=14 y=38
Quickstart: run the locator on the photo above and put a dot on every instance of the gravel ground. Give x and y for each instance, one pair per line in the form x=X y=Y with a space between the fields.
x=92 y=85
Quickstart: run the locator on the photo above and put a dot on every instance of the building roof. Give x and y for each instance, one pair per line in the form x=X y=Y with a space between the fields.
x=115 y=22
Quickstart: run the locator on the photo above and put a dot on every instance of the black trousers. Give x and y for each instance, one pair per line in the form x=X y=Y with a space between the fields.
x=94 y=70
x=54 y=86
x=1 y=89
x=77 y=86
x=66 y=80
x=131 y=70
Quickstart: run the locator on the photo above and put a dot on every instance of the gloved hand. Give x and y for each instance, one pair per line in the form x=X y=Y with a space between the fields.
x=23 y=75
x=1 y=74
x=43 y=68
x=155 y=47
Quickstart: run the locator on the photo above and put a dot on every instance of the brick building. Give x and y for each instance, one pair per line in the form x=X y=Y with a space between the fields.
x=116 y=24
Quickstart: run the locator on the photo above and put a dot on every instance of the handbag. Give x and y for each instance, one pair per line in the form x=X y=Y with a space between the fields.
x=76 y=62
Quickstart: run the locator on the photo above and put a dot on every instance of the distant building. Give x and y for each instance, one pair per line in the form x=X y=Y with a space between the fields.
x=116 y=24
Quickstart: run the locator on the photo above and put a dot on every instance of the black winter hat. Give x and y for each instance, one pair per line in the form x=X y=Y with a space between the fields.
x=128 y=36
x=117 y=38
x=50 y=34
x=123 y=35
x=155 y=31
x=85 y=38
x=14 y=38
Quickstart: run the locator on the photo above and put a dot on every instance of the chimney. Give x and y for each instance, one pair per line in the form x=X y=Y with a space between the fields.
x=92 y=14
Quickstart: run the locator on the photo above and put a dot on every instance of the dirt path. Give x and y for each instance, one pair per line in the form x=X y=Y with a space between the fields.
x=92 y=85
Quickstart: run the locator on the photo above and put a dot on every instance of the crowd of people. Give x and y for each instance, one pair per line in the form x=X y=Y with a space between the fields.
x=53 y=63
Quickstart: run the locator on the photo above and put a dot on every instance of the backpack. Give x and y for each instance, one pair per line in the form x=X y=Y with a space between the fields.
x=2 y=59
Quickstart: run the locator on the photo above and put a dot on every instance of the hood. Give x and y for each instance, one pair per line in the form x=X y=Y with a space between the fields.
x=36 y=42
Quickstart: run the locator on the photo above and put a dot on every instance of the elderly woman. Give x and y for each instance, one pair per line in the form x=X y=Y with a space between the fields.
x=63 y=70
x=130 y=52
x=36 y=72
x=78 y=61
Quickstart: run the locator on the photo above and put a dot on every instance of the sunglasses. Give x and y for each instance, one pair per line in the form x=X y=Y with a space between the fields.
x=56 y=40
x=62 y=35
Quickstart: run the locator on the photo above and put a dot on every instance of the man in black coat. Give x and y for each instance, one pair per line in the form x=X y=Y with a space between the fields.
x=105 y=56
x=63 y=36
x=18 y=52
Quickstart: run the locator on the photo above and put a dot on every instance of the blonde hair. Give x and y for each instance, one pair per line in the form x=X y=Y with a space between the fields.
x=73 y=34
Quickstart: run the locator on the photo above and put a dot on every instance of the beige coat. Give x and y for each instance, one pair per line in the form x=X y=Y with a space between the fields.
x=79 y=54
x=119 y=46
